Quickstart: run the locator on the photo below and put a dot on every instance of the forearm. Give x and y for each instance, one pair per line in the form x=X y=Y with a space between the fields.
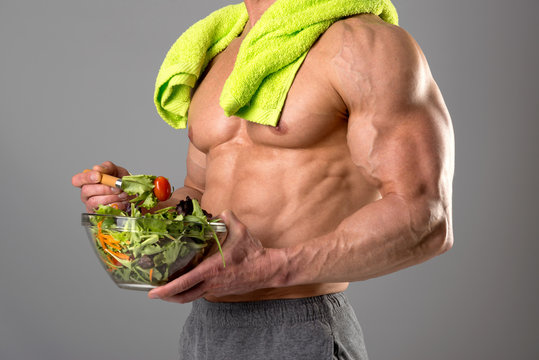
x=382 y=237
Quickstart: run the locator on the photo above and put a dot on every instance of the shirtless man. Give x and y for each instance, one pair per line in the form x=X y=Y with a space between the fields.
x=355 y=181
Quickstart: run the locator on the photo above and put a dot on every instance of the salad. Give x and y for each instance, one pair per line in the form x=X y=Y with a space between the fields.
x=149 y=189
x=152 y=248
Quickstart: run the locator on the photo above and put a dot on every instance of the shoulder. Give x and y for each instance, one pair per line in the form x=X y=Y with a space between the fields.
x=369 y=56
x=371 y=37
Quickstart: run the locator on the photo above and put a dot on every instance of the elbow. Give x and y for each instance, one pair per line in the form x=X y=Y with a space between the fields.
x=444 y=240
x=438 y=239
x=431 y=228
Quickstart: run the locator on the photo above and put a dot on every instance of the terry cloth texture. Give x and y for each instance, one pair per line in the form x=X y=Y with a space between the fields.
x=267 y=61
x=317 y=328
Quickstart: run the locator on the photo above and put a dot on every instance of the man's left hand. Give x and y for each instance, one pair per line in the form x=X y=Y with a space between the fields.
x=249 y=266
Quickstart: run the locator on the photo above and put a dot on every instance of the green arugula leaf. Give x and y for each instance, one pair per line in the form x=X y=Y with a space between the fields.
x=197 y=211
x=165 y=236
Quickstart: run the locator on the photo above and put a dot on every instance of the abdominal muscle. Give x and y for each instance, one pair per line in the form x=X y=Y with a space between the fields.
x=287 y=184
x=284 y=197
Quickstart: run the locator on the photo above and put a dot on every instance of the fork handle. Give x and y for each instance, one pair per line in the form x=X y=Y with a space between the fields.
x=109 y=180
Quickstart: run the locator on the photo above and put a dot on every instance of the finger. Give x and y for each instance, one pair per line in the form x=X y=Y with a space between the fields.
x=87 y=191
x=107 y=167
x=188 y=296
x=179 y=285
x=86 y=177
x=110 y=168
x=122 y=172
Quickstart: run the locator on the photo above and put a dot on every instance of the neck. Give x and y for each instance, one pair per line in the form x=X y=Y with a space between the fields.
x=255 y=9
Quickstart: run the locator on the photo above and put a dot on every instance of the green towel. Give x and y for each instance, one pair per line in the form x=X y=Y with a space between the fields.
x=268 y=59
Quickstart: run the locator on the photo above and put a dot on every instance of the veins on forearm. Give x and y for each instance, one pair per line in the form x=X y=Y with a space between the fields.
x=383 y=237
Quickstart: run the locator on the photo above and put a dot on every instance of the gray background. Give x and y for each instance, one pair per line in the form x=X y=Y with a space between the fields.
x=76 y=86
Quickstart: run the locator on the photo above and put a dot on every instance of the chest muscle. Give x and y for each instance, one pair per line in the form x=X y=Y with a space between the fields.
x=311 y=111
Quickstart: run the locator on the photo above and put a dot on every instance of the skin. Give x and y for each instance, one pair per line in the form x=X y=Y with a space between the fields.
x=354 y=183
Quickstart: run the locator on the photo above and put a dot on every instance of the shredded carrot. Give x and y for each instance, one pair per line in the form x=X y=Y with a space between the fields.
x=101 y=242
x=109 y=261
x=114 y=205
x=112 y=262
x=107 y=239
x=118 y=255
x=110 y=239
x=151 y=273
x=115 y=247
x=107 y=242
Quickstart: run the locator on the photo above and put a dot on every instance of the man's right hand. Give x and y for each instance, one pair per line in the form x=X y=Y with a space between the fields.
x=93 y=193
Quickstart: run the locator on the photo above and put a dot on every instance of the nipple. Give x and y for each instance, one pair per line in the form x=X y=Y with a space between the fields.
x=280 y=129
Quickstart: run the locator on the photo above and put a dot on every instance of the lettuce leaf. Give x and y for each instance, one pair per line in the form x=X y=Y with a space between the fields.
x=137 y=184
x=109 y=210
x=142 y=186
x=164 y=236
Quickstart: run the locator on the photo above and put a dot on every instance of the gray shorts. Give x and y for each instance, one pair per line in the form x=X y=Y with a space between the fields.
x=322 y=327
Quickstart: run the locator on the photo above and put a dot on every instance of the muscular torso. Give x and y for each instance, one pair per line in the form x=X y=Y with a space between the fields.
x=289 y=183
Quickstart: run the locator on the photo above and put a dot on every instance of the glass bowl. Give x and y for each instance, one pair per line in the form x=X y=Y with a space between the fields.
x=139 y=259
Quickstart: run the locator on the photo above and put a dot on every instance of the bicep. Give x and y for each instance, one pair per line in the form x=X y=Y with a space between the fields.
x=399 y=130
x=196 y=169
x=408 y=152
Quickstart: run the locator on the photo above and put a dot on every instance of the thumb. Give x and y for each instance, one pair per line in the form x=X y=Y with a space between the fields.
x=228 y=217
x=235 y=228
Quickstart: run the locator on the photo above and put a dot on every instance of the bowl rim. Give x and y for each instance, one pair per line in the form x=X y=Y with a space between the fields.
x=85 y=221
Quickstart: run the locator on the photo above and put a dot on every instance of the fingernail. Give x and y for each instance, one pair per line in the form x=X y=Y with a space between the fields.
x=115 y=190
x=153 y=296
x=123 y=196
x=95 y=177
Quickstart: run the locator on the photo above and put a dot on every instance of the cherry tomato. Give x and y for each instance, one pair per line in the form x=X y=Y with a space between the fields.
x=161 y=188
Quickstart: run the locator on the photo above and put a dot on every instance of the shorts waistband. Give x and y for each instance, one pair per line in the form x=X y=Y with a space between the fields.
x=321 y=307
